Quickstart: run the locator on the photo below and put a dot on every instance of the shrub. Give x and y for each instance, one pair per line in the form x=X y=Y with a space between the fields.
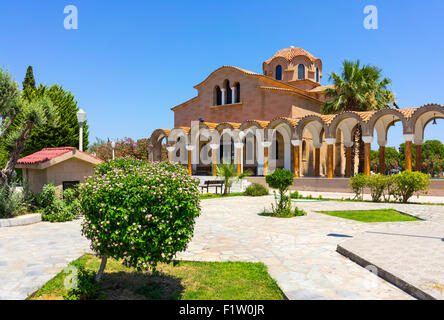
x=11 y=202
x=85 y=288
x=378 y=184
x=281 y=179
x=407 y=183
x=296 y=195
x=143 y=215
x=56 y=209
x=48 y=196
x=358 y=183
x=256 y=190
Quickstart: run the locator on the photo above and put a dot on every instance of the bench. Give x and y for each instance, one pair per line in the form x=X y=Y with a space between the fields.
x=213 y=183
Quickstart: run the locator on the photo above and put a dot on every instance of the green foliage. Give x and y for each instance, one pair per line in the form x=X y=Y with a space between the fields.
x=228 y=172
x=296 y=195
x=56 y=209
x=66 y=132
x=358 y=183
x=85 y=288
x=256 y=190
x=357 y=89
x=143 y=214
x=119 y=163
x=29 y=81
x=11 y=202
x=401 y=186
x=407 y=183
x=281 y=179
x=433 y=165
x=378 y=184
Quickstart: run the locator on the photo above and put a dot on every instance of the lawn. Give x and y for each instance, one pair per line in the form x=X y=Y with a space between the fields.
x=382 y=215
x=185 y=280
x=220 y=195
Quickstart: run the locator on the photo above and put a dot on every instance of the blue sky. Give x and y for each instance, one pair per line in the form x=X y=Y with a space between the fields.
x=130 y=62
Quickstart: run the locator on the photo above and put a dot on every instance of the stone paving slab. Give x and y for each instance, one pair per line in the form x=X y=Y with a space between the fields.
x=409 y=256
x=31 y=255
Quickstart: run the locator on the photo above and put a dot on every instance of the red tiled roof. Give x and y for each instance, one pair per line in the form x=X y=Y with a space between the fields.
x=290 y=53
x=48 y=154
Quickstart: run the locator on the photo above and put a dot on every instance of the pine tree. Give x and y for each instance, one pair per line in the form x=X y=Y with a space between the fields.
x=29 y=80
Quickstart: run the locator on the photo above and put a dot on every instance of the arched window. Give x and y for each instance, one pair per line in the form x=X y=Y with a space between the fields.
x=237 y=92
x=217 y=96
x=228 y=98
x=279 y=72
x=317 y=74
x=301 y=72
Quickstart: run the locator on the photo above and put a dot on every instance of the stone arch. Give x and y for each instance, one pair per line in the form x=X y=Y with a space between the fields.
x=314 y=124
x=381 y=120
x=280 y=128
x=345 y=122
x=156 y=139
x=422 y=117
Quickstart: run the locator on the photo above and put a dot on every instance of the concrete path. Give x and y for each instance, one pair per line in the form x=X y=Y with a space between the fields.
x=32 y=255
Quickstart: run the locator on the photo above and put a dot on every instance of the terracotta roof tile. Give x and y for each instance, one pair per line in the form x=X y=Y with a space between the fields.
x=48 y=154
x=290 y=53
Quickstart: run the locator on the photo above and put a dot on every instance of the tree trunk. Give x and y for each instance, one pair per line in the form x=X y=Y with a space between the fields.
x=102 y=268
x=357 y=148
x=6 y=173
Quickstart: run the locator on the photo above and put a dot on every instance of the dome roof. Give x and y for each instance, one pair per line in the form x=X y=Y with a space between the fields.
x=292 y=52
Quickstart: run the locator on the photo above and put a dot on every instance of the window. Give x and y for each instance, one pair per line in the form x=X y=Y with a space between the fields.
x=237 y=92
x=317 y=74
x=217 y=96
x=70 y=184
x=229 y=97
x=301 y=72
x=279 y=72
x=277 y=149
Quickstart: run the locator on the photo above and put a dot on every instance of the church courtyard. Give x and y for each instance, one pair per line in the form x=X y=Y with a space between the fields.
x=300 y=253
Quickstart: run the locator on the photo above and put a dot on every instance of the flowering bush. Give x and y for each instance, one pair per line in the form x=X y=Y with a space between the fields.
x=143 y=214
x=390 y=164
x=433 y=165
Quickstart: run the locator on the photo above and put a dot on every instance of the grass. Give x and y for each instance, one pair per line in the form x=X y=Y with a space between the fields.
x=181 y=280
x=220 y=195
x=381 y=215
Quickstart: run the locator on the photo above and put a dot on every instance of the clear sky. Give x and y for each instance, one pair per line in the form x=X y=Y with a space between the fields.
x=129 y=62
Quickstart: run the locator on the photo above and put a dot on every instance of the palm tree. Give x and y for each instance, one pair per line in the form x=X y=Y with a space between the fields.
x=357 y=89
x=228 y=172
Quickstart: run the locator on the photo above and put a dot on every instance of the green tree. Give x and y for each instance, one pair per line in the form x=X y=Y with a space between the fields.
x=29 y=81
x=357 y=89
x=228 y=172
x=66 y=132
x=18 y=117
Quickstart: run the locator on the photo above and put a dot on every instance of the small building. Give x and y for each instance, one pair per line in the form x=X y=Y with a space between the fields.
x=63 y=167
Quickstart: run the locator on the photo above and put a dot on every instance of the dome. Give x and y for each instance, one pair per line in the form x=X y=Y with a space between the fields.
x=292 y=52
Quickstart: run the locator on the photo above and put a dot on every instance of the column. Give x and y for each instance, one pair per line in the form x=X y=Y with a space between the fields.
x=190 y=159
x=382 y=158
x=408 y=151
x=330 y=150
x=224 y=95
x=317 y=159
x=170 y=150
x=348 y=158
x=266 y=148
x=239 y=148
x=418 y=145
x=214 y=147
x=367 y=148
x=296 y=160
x=233 y=94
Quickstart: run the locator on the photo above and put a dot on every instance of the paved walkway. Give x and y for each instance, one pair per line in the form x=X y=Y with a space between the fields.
x=32 y=255
x=300 y=252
